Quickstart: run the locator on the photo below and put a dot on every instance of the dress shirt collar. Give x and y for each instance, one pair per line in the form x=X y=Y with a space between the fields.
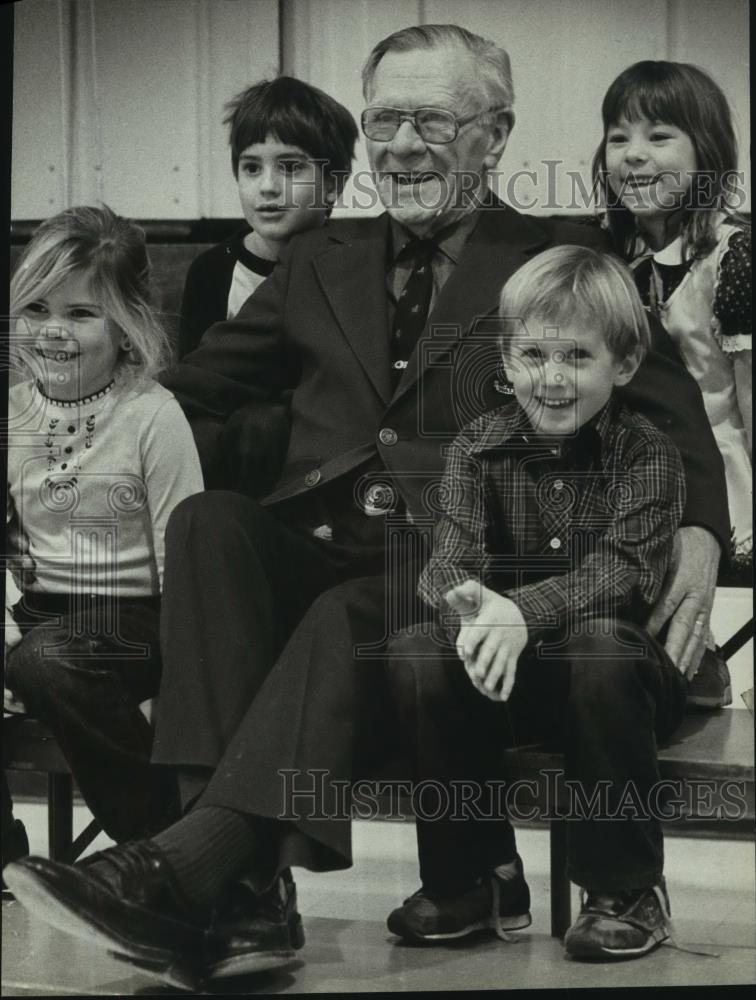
x=509 y=426
x=450 y=240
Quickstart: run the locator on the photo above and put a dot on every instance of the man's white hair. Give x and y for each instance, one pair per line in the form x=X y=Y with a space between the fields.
x=493 y=61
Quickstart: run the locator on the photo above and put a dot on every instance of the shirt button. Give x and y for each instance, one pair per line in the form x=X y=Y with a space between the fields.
x=388 y=436
x=555 y=543
x=312 y=478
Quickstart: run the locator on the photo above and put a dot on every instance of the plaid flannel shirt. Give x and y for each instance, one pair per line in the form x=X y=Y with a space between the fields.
x=565 y=528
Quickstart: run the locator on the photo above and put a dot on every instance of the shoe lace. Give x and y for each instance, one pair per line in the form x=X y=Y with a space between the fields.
x=119 y=861
x=672 y=941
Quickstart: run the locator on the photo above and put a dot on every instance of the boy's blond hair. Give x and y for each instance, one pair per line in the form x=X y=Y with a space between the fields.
x=572 y=283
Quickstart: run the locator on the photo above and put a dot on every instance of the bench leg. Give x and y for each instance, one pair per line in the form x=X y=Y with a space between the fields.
x=59 y=815
x=561 y=908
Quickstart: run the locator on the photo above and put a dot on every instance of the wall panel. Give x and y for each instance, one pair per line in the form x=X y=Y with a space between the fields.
x=325 y=43
x=715 y=37
x=39 y=160
x=146 y=60
x=238 y=44
x=123 y=99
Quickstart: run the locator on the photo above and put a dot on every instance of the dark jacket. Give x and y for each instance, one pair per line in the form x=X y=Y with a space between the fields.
x=318 y=329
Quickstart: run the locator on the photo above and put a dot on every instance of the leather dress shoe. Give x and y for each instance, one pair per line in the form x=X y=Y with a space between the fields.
x=15 y=845
x=125 y=899
x=251 y=931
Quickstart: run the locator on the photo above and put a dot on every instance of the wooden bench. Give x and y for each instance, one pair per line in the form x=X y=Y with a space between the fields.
x=712 y=747
x=28 y=745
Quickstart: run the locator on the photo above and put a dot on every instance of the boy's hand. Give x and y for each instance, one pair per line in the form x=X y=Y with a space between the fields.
x=491 y=637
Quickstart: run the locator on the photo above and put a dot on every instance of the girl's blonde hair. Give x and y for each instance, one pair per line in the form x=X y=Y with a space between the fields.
x=573 y=283
x=112 y=251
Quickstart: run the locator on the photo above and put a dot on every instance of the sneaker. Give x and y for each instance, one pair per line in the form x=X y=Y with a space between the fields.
x=710 y=687
x=491 y=904
x=624 y=924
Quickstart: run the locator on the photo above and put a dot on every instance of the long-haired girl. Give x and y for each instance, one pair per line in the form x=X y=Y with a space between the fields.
x=99 y=456
x=666 y=171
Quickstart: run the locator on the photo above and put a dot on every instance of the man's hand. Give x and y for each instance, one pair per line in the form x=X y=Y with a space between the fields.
x=491 y=637
x=687 y=597
x=11 y=704
x=12 y=632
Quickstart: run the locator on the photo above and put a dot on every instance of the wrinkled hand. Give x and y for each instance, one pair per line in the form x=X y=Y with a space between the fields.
x=491 y=637
x=687 y=597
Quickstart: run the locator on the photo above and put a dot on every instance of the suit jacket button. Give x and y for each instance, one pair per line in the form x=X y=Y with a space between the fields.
x=388 y=436
x=312 y=478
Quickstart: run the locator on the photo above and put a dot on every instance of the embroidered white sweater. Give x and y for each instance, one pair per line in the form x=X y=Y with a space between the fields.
x=91 y=486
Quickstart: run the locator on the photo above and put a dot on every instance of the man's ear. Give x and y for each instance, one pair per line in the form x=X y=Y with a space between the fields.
x=501 y=131
x=626 y=369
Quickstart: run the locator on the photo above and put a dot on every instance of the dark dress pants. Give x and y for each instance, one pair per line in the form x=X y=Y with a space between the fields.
x=83 y=667
x=605 y=694
x=238 y=580
x=322 y=718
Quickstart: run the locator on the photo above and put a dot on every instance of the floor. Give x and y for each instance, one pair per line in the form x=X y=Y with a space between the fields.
x=348 y=948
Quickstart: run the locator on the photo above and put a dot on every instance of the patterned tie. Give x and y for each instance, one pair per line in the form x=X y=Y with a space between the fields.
x=412 y=306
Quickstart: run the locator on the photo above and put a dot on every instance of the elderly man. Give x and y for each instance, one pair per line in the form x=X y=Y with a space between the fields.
x=380 y=332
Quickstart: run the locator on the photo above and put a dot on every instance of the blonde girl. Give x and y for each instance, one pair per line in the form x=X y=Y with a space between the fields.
x=99 y=456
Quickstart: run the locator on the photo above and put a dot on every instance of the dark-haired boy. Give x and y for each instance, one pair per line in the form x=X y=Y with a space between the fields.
x=292 y=148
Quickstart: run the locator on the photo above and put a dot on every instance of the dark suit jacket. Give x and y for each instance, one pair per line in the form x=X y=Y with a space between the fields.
x=317 y=328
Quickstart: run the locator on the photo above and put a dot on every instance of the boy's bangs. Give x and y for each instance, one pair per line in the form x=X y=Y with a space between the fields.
x=284 y=125
x=530 y=314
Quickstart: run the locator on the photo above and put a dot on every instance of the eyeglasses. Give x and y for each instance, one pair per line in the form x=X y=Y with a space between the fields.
x=431 y=124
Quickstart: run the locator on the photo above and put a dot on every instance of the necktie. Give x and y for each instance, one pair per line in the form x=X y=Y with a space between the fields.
x=412 y=306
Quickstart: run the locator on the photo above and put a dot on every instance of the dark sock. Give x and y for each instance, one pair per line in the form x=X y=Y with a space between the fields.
x=208 y=848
